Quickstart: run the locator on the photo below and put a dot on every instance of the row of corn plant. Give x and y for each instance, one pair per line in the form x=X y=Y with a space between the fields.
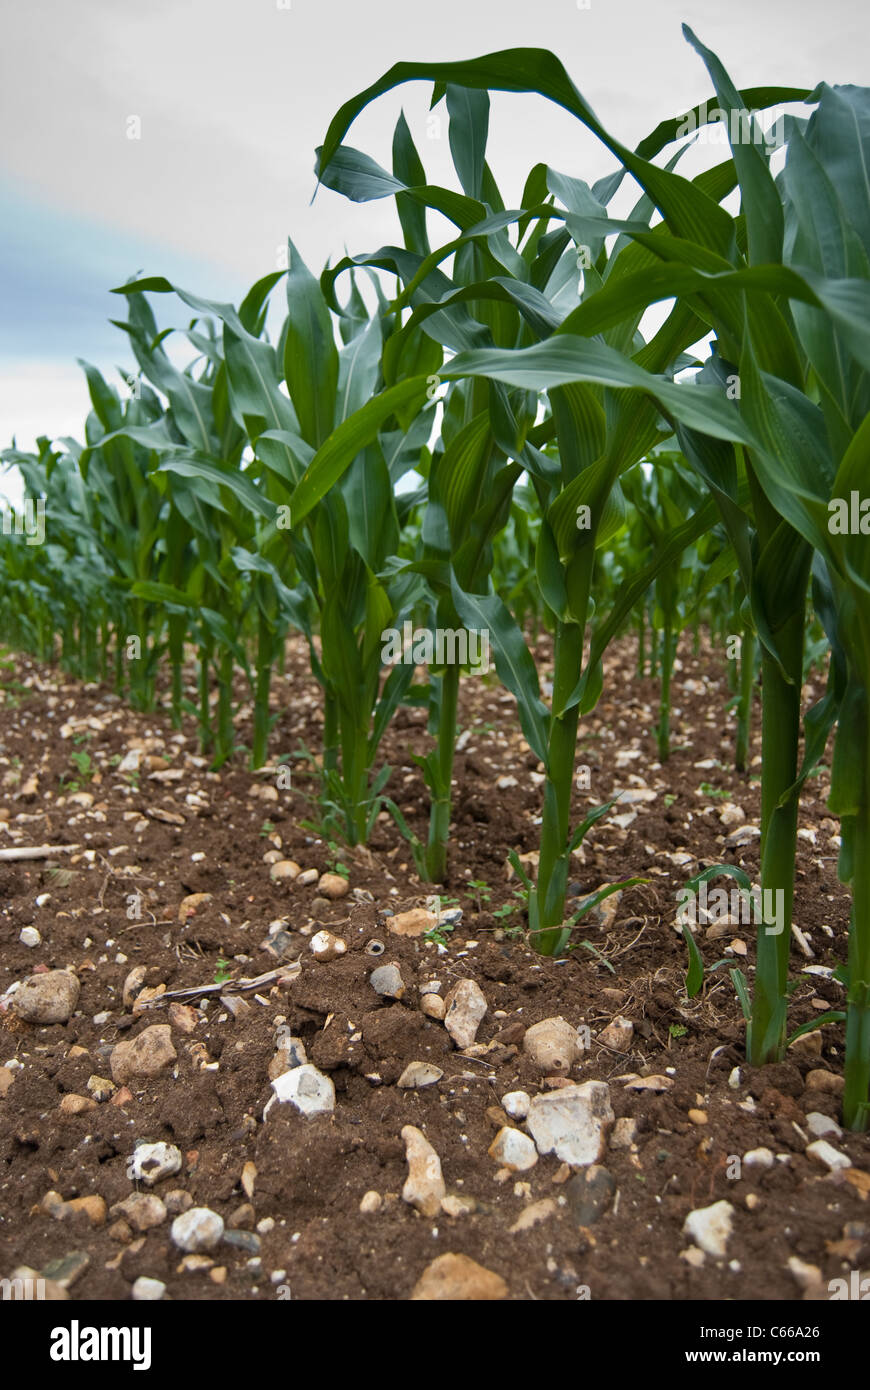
x=784 y=290
x=279 y=467
x=589 y=438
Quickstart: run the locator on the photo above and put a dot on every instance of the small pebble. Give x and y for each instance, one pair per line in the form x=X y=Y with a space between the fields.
x=552 y=1045
x=465 y=1006
x=710 y=1228
x=333 y=886
x=820 y=1125
x=243 y=1240
x=516 y=1104
x=324 y=946
x=825 y=1154
x=49 y=997
x=759 y=1158
x=424 y=1186
x=387 y=981
x=198 y=1229
x=512 y=1149
x=152 y=1162
x=308 y=1089
x=419 y=1074
x=147 y=1290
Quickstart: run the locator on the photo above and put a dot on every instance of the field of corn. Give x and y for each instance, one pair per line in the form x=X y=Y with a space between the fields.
x=435 y=749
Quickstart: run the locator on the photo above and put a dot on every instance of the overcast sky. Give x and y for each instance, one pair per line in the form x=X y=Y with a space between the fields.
x=233 y=96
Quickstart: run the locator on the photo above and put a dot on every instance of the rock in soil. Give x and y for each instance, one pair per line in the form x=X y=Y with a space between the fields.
x=147 y=1290
x=456 y=1278
x=333 y=886
x=618 y=1034
x=324 y=946
x=710 y=1228
x=285 y=869
x=145 y=1056
x=387 y=981
x=464 y=1009
x=827 y=1156
x=552 y=1045
x=308 y=1089
x=151 y=1163
x=417 y=1075
x=826 y=1081
x=589 y=1194
x=424 y=1186
x=819 y=1125
x=141 y=1211
x=516 y=1104
x=759 y=1158
x=534 y=1215
x=572 y=1122
x=513 y=1149
x=47 y=998
x=197 y=1229
x=73 y=1104
x=413 y=923
x=433 y=1006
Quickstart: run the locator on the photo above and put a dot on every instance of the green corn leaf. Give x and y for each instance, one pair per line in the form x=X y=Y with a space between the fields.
x=695 y=973
x=310 y=354
x=408 y=168
x=252 y=310
x=688 y=210
x=371 y=513
x=738 y=979
x=153 y=592
x=839 y=134
x=563 y=360
x=714 y=871
x=192 y=465
x=761 y=203
x=335 y=456
x=594 y=816
x=829 y=1016
x=594 y=899
x=516 y=669
x=469 y=124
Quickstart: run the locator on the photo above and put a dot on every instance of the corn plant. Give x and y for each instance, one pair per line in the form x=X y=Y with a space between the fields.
x=213 y=507
x=660 y=497
x=597 y=435
x=732 y=273
x=328 y=430
x=480 y=454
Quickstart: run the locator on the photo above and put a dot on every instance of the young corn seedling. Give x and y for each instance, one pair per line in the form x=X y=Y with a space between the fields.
x=470 y=473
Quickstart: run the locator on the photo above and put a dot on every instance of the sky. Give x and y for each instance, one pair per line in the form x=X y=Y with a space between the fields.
x=177 y=137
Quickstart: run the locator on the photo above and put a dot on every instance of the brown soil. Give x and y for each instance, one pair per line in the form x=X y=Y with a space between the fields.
x=312 y=1173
